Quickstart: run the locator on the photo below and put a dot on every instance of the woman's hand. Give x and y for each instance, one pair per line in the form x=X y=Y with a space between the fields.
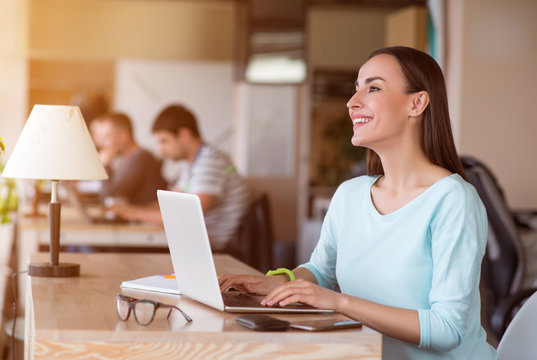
x=302 y=291
x=254 y=284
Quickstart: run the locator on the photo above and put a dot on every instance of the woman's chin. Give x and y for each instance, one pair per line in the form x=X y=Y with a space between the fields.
x=356 y=141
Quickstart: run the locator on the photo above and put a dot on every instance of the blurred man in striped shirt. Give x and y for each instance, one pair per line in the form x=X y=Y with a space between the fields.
x=210 y=174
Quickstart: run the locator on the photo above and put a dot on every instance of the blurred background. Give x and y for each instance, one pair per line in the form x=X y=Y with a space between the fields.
x=269 y=80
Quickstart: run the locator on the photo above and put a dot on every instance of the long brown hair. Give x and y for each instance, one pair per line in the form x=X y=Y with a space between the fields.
x=422 y=73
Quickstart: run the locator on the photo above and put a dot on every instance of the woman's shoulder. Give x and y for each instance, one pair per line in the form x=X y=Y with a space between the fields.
x=457 y=192
x=357 y=182
x=355 y=187
x=352 y=191
x=455 y=184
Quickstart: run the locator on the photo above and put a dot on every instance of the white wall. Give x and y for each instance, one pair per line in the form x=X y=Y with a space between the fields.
x=492 y=72
x=267 y=121
x=144 y=87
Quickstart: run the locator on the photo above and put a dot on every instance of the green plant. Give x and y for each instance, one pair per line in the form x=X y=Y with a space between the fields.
x=340 y=157
x=8 y=196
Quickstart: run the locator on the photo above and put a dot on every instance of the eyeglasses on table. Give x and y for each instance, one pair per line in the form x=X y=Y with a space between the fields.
x=144 y=310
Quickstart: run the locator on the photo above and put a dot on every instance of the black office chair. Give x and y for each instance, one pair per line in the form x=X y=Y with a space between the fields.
x=503 y=264
x=253 y=243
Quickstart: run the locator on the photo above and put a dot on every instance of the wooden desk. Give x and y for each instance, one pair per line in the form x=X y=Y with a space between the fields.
x=35 y=232
x=73 y=318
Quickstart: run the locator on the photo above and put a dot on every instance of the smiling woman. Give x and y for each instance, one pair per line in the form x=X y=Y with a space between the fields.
x=400 y=248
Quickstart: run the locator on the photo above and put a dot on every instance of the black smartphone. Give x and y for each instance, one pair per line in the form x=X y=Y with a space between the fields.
x=262 y=322
x=325 y=324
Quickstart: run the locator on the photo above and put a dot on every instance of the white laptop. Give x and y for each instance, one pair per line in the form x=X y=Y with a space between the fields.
x=193 y=262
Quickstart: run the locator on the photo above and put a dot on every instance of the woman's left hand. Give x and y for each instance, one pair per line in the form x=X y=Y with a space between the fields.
x=304 y=292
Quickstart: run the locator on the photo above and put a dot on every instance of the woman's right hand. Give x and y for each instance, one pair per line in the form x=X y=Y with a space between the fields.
x=255 y=284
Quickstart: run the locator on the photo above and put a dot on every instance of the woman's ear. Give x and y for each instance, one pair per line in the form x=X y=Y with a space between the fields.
x=420 y=100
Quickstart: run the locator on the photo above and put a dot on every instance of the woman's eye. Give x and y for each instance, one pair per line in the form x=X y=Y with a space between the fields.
x=373 y=89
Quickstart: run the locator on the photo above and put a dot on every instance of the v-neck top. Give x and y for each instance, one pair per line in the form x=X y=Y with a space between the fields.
x=402 y=208
x=424 y=256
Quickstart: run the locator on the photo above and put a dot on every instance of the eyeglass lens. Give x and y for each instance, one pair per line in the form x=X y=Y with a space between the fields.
x=123 y=308
x=144 y=312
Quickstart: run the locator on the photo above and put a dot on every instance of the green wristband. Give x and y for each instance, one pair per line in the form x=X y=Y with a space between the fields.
x=282 y=271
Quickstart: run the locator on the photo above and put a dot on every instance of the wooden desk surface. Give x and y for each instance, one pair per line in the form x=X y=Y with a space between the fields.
x=71 y=317
x=35 y=232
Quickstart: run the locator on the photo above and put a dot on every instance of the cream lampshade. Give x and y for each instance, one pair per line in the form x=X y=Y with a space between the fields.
x=55 y=144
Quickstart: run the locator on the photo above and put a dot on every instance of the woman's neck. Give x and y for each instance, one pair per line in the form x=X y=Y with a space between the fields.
x=407 y=167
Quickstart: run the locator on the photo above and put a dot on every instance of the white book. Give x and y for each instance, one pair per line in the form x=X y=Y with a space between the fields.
x=157 y=283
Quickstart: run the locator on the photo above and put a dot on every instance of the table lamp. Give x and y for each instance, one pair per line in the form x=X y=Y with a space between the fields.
x=55 y=145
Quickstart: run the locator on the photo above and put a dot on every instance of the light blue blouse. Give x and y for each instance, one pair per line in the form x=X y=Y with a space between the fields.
x=424 y=256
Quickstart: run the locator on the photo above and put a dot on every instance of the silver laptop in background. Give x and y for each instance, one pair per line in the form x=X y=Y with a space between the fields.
x=74 y=199
x=193 y=262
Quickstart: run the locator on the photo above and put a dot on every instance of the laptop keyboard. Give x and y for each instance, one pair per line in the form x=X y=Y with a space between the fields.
x=239 y=299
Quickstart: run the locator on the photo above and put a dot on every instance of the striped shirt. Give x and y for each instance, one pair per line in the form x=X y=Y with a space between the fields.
x=213 y=173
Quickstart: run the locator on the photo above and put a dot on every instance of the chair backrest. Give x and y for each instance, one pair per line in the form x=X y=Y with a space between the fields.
x=254 y=241
x=502 y=267
x=265 y=241
x=518 y=340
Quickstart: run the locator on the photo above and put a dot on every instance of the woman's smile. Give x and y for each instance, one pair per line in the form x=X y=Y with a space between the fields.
x=360 y=121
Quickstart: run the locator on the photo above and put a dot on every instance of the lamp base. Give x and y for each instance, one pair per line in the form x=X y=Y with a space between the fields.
x=60 y=270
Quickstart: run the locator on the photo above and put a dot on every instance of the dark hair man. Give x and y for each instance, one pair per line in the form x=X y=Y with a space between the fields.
x=134 y=174
x=210 y=174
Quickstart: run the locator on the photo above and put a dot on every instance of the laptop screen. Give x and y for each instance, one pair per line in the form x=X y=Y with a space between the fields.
x=189 y=247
